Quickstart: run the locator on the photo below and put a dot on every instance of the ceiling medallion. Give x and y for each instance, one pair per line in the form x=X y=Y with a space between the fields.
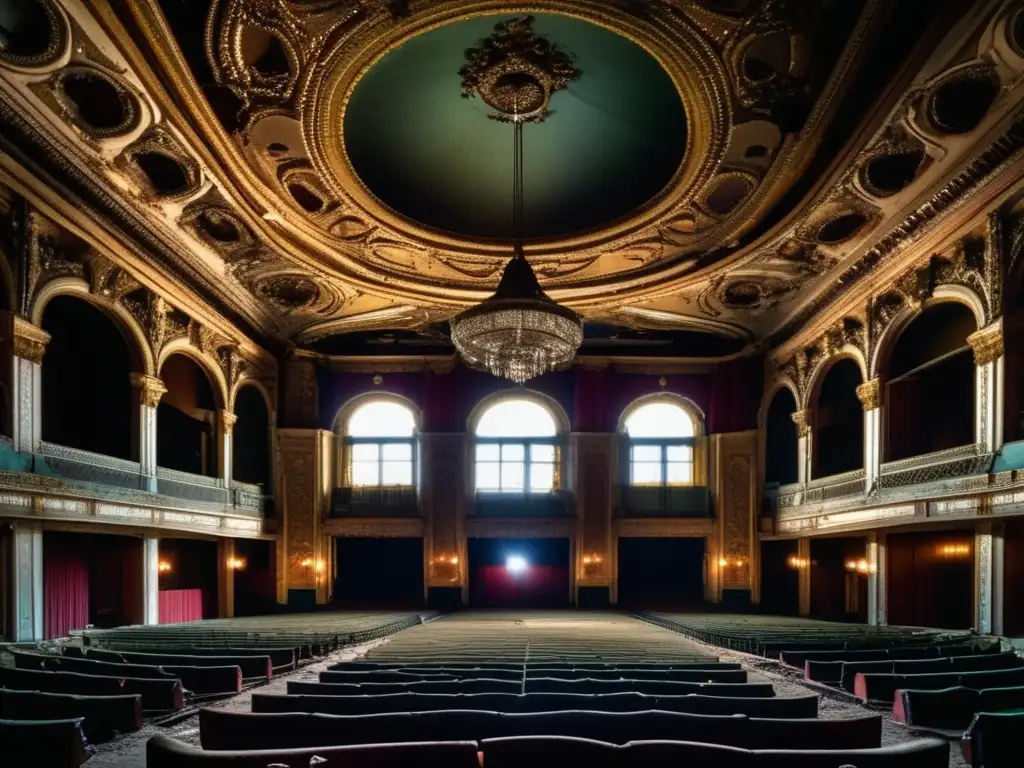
x=516 y=72
x=519 y=332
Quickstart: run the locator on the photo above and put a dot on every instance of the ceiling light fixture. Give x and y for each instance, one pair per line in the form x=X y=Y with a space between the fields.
x=519 y=332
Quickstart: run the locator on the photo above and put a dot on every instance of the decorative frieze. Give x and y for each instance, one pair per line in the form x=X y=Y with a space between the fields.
x=150 y=388
x=987 y=344
x=869 y=394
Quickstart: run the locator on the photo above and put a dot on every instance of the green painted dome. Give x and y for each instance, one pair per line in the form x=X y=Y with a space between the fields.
x=614 y=141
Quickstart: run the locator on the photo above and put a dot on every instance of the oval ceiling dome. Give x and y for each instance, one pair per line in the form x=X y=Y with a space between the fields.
x=614 y=140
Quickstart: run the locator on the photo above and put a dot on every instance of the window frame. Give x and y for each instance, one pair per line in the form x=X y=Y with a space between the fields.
x=346 y=443
x=380 y=442
x=528 y=443
x=693 y=441
x=663 y=444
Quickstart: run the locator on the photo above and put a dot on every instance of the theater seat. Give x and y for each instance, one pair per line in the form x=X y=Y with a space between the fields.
x=165 y=752
x=49 y=743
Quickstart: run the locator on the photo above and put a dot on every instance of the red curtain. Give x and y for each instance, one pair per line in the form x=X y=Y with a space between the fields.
x=177 y=605
x=65 y=588
x=538 y=586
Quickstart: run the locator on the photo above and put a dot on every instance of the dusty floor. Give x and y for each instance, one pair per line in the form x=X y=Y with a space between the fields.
x=595 y=634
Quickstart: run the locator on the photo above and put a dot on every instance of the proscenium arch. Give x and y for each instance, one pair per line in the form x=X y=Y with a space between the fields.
x=879 y=362
x=138 y=346
x=846 y=352
x=350 y=406
x=690 y=408
x=548 y=403
x=218 y=382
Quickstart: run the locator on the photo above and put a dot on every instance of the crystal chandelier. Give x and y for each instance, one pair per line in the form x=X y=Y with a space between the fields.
x=519 y=332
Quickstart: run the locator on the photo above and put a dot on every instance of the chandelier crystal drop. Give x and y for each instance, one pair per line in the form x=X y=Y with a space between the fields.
x=519 y=332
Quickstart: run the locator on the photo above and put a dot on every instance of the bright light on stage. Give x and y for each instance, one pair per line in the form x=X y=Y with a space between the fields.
x=516 y=564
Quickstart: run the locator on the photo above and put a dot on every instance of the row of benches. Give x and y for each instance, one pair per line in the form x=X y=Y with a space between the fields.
x=953 y=709
x=843 y=674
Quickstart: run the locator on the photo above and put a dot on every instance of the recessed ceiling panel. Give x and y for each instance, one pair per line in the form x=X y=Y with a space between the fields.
x=615 y=138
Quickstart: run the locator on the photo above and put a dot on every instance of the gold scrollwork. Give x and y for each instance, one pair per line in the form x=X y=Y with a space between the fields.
x=151 y=389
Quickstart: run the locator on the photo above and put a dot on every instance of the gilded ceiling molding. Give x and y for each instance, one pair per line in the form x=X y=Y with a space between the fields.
x=158 y=145
x=42 y=51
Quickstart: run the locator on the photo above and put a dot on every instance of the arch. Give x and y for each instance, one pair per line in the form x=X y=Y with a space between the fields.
x=820 y=371
x=353 y=404
x=781 y=440
x=135 y=337
x=251 y=381
x=218 y=382
x=690 y=408
x=942 y=294
x=251 y=453
x=188 y=438
x=549 y=404
x=838 y=420
x=777 y=383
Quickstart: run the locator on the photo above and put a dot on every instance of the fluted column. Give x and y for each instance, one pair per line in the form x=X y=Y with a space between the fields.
x=225 y=456
x=983 y=578
x=987 y=345
x=149 y=390
x=876 y=578
x=150 y=580
x=869 y=394
x=26 y=384
x=802 y=419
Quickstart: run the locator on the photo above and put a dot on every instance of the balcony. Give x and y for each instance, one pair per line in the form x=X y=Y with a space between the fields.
x=373 y=501
x=664 y=501
x=524 y=505
x=934 y=467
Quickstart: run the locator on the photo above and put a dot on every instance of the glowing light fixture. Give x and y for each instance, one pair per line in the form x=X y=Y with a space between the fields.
x=516 y=564
x=164 y=566
x=955 y=550
x=236 y=563
x=798 y=562
x=859 y=566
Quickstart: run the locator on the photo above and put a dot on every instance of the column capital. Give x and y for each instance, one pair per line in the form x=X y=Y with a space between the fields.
x=802 y=419
x=227 y=421
x=151 y=389
x=29 y=340
x=869 y=393
x=987 y=344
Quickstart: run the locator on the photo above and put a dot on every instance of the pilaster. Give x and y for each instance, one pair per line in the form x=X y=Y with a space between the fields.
x=983 y=578
x=803 y=553
x=998 y=577
x=869 y=394
x=875 y=555
x=27 y=581
x=29 y=347
x=226 y=566
x=305 y=457
x=734 y=488
x=150 y=580
x=802 y=419
x=445 y=498
x=987 y=345
x=225 y=456
x=594 y=467
x=150 y=390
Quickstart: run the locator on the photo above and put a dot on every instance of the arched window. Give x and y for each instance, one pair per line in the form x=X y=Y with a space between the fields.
x=380 y=439
x=516 y=450
x=660 y=435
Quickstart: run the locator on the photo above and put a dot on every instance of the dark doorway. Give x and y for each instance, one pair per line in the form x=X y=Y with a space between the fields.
x=191 y=575
x=839 y=422
x=256 y=582
x=519 y=573
x=781 y=440
x=780 y=581
x=838 y=591
x=251 y=441
x=186 y=419
x=930 y=579
x=87 y=393
x=662 y=573
x=378 y=573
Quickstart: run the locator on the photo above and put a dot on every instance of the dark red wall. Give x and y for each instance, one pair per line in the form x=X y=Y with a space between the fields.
x=593 y=399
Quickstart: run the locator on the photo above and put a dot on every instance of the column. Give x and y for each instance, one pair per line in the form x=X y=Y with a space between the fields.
x=150 y=580
x=149 y=389
x=874 y=552
x=27 y=581
x=735 y=496
x=26 y=384
x=987 y=345
x=998 y=576
x=802 y=419
x=227 y=564
x=983 y=578
x=593 y=467
x=869 y=394
x=225 y=458
x=444 y=501
x=803 y=553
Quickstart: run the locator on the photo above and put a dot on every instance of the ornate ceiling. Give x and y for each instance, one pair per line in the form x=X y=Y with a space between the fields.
x=732 y=169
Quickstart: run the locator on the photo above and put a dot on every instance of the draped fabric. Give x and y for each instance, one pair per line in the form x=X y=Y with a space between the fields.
x=178 y=605
x=539 y=585
x=65 y=587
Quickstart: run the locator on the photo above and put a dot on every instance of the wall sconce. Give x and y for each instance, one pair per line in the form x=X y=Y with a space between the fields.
x=955 y=550
x=307 y=563
x=724 y=562
x=164 y=566
x=236 y=564
x=446 y=560
x=593 y=559
x=798 y=562
x=859 y=566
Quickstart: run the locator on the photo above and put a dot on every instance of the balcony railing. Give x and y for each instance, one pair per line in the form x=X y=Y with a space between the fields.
x=496 y=504
x=835 y=487
x=664 y=501
x=931 y=467
x=371 y=501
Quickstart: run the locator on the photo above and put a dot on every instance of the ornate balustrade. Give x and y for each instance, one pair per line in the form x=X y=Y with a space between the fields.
x=663 y=501
x=932 y=467
x=397 y=501
x=835 y=487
